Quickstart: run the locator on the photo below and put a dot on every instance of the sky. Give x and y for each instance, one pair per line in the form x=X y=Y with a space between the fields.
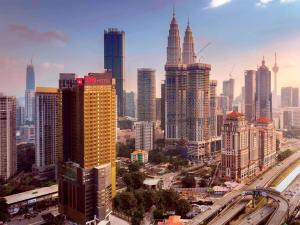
x=67 y=36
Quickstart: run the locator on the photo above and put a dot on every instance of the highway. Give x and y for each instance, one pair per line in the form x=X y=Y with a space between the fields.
x=227 y=214
x=281 y=213
x=263 y=181
x=258 y=216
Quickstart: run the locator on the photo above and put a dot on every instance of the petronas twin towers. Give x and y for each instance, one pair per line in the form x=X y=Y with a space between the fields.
x=174 y=55
x=187 y=96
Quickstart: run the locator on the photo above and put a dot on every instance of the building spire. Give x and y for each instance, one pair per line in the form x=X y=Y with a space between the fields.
x=173 y=49
x=173 y=9
x=188 y=52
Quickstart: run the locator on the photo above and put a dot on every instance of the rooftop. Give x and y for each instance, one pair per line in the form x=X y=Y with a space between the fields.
x=264 y=120
x=151 y=181
x=10 y=199
x=234 y=115
x=172 y=220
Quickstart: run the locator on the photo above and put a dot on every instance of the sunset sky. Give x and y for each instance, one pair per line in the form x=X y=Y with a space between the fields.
x=67 y=36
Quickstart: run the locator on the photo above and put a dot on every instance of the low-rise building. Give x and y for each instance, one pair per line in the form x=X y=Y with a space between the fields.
x=172 y=220
x=30 y=198
x=153 y=183
x=139 y=156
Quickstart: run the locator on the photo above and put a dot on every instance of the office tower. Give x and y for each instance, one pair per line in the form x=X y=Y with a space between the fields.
x=263 y=95
x=158 y=109
x=20 y=115
x=253 y=143
x=228 y=90
x=295 y=97
x=223 y=104
x=146 y=95
x=8 y=149
x=243 y=100
x=250 y=88
x=220 y=122
x=267 y=143
x=48 y=132
x=30 y=77
x=198 y=110
x=187 y=99
x=213 y=108
x=173 y=49
x=188 y=52
x=29 y=94
x=290 y=118
x=29 y=106
x=163 y=108
x=114 y=60
x=87 y=170
x=235 y=149
x=67 y=80
x=176 y=97
x=144 y=135
x=130 y=104
x=289 y=97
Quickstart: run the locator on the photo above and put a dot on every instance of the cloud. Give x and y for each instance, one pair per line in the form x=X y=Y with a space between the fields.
x=218 y=3
x=263 y=3
x=287 y=1
x=49 y=66
x=52 y=37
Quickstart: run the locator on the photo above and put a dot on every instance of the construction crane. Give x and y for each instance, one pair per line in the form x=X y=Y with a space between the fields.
x=201 y=50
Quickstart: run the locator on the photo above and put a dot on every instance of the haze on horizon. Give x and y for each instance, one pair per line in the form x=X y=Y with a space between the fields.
x=67 y=36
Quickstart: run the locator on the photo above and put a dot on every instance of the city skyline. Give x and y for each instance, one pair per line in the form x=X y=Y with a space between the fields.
x=52 y=40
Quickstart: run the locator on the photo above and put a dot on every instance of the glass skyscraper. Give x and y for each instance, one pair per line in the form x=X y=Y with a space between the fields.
x=114 y=60
x=29 y=94
x=30 y=78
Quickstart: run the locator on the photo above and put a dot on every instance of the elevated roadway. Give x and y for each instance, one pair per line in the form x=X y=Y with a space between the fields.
x=263 y=181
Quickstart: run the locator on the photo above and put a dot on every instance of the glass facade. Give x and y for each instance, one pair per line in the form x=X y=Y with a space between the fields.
x=114 y=58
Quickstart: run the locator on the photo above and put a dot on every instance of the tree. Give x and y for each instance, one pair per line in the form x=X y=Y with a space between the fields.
x=183 y=207
x=160 y=144
x=188 y=182
x=121 y=172
x=158 y=213
x=125 y=202
x=134 y=180
x=137 y=217
x=135 y=166
x=25 y=157
x=4 y=215
x=157 y=157
x=168 y=199
x=150 y=198
x=202 y=183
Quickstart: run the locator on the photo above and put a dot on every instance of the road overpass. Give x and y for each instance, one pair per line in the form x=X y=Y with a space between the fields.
x=263 y=181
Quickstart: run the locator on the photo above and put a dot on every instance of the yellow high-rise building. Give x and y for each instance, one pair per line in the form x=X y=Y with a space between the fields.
x=100 y=123
x=87 y=169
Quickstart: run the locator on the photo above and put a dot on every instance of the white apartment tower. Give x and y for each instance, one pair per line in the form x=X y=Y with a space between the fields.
x=144 y=135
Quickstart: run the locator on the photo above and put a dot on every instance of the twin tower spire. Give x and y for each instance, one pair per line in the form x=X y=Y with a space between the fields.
x=174 y=55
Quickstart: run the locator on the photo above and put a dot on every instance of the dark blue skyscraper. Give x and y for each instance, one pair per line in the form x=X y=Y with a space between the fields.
x=30 y=79
x=114 y=60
